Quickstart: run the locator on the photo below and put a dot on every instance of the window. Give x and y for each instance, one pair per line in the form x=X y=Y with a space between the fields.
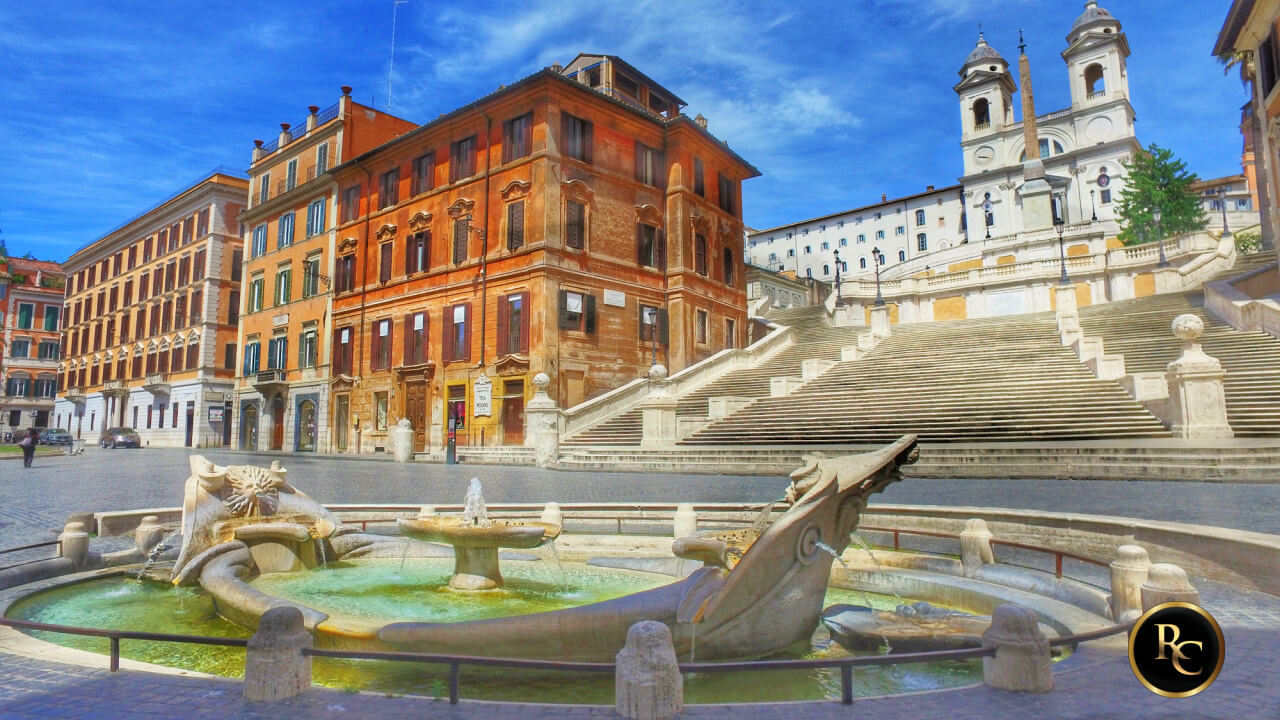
x=20 y=348
x=424 y=169
x=415 y=338
x=700 y=254
x=513 y=324
x=264 y=190
x=515 y=225
x=46 y=387
x=193 y=355
x=650 y=250
x=517 y=137
x=577 y=312
x=575 y=137
x=730 y=334
x=791 y=253
x=233 y=311
x=228 y=358
x=380 y=411
x=457 y=333
x=653 y=325
x=197 y=271
x=342 y=351
x=844 y=242
x=861 y=238
x=283 y=277
x=345 y=274
x=291 y=175
x=237 y=265
x=826 y=269
x=381 y=345
x=251 y=351
x=729 y=265
x=922 y=244
x=388 y=188
x=1095 y=82
x=879 y=234
x=416 y=252
x=726 y=195
x=27 y=311
x=255 y=294
x=826 y=245
x=902 y=255
x=899 y=231
x=648 y=165
x=170 y=275
x=322 y=158
x=277 y=353
x=920 y=217
x=315 y=217
x=462 y=159
x=18 y=387
x=1105 y=196
x=460 y=227
x=259 y=241
x=699 y=187
x=575 y=225
x=284 y=231
x=48 y=350
x=808 y=249
x=700 y=326
x=350 y=203
x=51 y=317
x=384 y=261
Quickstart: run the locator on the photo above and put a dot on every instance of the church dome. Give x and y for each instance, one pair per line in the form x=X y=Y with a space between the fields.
x=983 y=53
x=1092 y=14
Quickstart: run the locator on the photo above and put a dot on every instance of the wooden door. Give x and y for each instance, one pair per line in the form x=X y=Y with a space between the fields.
x=277 y=424
x=415 y=409
x=513 y=413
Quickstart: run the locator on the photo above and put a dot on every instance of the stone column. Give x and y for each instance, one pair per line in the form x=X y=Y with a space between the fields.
x=1022 y=662
x=75 y=544
x=975 y=546
x=880 y=325
x=274 y=666
x=1128 y=573
x=658 y=410
x=402 y=441
x=542 y=423
x=148 y=534
x=1167 y=583
x=1197 y=401
x=647 y=681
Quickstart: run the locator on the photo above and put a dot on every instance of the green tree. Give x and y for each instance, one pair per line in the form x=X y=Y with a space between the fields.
x=1156 y=179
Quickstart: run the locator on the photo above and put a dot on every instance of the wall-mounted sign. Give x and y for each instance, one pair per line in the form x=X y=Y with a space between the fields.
x=216 y=414
x=615 y=298
x=482 y=396
x=279 y=320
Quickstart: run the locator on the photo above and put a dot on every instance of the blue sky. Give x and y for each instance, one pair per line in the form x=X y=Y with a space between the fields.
x=112 y=107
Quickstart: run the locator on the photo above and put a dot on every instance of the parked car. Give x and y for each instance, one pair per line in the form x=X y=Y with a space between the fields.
x=121 y=437
x=55 y=436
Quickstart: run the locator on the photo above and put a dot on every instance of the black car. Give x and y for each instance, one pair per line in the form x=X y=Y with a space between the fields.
x=121 y=437
x=55 y=436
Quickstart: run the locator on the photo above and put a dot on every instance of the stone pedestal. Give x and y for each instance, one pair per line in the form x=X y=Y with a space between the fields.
x=475 y=568
x=1022 y=661
x=1168 y=279
x=148 y=534
x=1167 y=583
x=542 y=424
x=845 y=316
x=1064 y=297
x=811 y=368
x=685 y=523
x=784 y=385
x=402 y=441
x=849 y=353
x=75 y=544
x=1037 y=199
x=1197 y=401
x=274 y=666
x=658 y=411
x=975 y=546
x=719 y=408
x=1128 y=573
x=647 y=681
x=880 y=325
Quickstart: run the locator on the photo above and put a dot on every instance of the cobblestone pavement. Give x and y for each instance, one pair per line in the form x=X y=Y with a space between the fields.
x=1100 y=686
x=34 y=503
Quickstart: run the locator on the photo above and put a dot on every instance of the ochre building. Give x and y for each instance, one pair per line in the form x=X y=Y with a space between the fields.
x=31 y=315
x=573 y=223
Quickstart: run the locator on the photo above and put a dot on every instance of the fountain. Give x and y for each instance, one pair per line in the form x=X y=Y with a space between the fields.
x=476 y=539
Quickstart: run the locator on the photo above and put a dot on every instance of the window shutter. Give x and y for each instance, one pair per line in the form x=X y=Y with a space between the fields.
x=564 y=310
x=660 y=169
x=466 y=335
x=525 y=310
x=515 y=225
x=640 y=315
x=640 y=244
x=504 y=323
x=586 y=140
x=659 y=249
x=565 y=130
x=664 y=331
x=446 y=335
x=589 y=314
x=410 y=246
x=639 y=160
x=526 y=134
x=408 y=340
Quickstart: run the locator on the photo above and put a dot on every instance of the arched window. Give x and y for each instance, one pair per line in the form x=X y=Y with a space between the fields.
x=1095 y=81
x=981 y=114
x=862 y=263
x=808 y=272
x=844 y=266
x=920 y=217
x=922 y=243
x=902 y=256
x=826 y=270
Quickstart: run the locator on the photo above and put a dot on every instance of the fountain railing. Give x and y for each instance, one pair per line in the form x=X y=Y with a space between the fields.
x=33 y=546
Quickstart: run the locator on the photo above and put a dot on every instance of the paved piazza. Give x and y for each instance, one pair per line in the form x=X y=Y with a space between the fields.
x=33 y=504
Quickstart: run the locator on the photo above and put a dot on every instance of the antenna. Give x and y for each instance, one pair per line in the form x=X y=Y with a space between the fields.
x=395 y=8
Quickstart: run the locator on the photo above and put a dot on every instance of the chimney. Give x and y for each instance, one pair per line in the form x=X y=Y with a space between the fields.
x=258 y=152
x=284 y=135
x=557 y=67
x=701 y=121
x=928 y=188
x=312 y=119
x=344 y=102
x=884 y=198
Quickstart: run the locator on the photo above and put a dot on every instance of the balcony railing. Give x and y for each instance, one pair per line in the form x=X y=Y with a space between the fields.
x=299 y=130
x=156 y=383
x=268 y=379
x=74 y=395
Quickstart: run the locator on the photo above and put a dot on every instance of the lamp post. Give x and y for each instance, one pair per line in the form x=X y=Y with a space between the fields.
x=839 y=302
x=876 y=258
x=1164 y=262
x=1093 y=207
x=652 y=315
x=1059 y=224
x=986 y=216
x=1222 y=202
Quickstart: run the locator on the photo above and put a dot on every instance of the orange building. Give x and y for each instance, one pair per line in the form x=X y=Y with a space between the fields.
x=283 y=367
x=150 y=323
x=31 y=315
x=573 y=223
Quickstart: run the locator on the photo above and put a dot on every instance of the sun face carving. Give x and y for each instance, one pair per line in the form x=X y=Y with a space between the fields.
x=252 y=491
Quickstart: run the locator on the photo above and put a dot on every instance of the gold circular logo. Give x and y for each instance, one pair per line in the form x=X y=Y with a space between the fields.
x=1176 y=649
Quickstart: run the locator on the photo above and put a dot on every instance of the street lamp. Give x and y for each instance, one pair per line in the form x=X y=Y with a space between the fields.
x=876 y=258
x=1164 y=262
x=1222 y=201
x=1093 y=208
x=1059 y=224
x=652 y=315
x=839 y=303
x=986 y=216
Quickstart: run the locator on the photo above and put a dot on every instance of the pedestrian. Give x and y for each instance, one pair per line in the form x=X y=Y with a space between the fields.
x=28 y=445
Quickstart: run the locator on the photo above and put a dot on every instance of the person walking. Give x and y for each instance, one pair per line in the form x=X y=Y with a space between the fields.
x=28 y=445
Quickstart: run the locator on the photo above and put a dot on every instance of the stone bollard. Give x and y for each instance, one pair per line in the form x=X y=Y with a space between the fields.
x=75 y=544
x=1197 y=401
x=148 y=534
x=1167 y=583
x=542 y=423
x=880 y=325
x=1128 y=573
x=551 y=515
x=658 y=411
x=274 y=666
x=685 y=522
x=975 y=546
x=1022 y=661
x=647 y=681
x=402 y=441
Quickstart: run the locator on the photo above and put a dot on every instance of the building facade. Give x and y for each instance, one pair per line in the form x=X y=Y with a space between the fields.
x=1231 y=194
x=783 y=288
x=573 y=223
x=282 y=383
x=31 y=315
x=150 y=322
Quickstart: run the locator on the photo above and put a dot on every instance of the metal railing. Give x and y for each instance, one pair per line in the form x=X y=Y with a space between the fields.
x=33 y=546
x=117 y=635
x=1057 y=554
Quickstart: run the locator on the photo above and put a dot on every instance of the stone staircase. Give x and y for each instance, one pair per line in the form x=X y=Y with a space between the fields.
x=1003 y=379
x=1140 y=330
x=814 y=338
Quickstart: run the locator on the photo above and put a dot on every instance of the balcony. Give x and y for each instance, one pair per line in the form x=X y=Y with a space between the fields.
x=115 y=388
x=269 y=382
x=156 y=384
x=74 y=395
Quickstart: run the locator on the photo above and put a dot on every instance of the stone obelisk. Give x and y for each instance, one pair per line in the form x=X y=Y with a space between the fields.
x=1037 y=196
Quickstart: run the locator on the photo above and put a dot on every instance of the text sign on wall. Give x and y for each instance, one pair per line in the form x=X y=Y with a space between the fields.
x=215 y=414
x=615 y=298
x=482 y=396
